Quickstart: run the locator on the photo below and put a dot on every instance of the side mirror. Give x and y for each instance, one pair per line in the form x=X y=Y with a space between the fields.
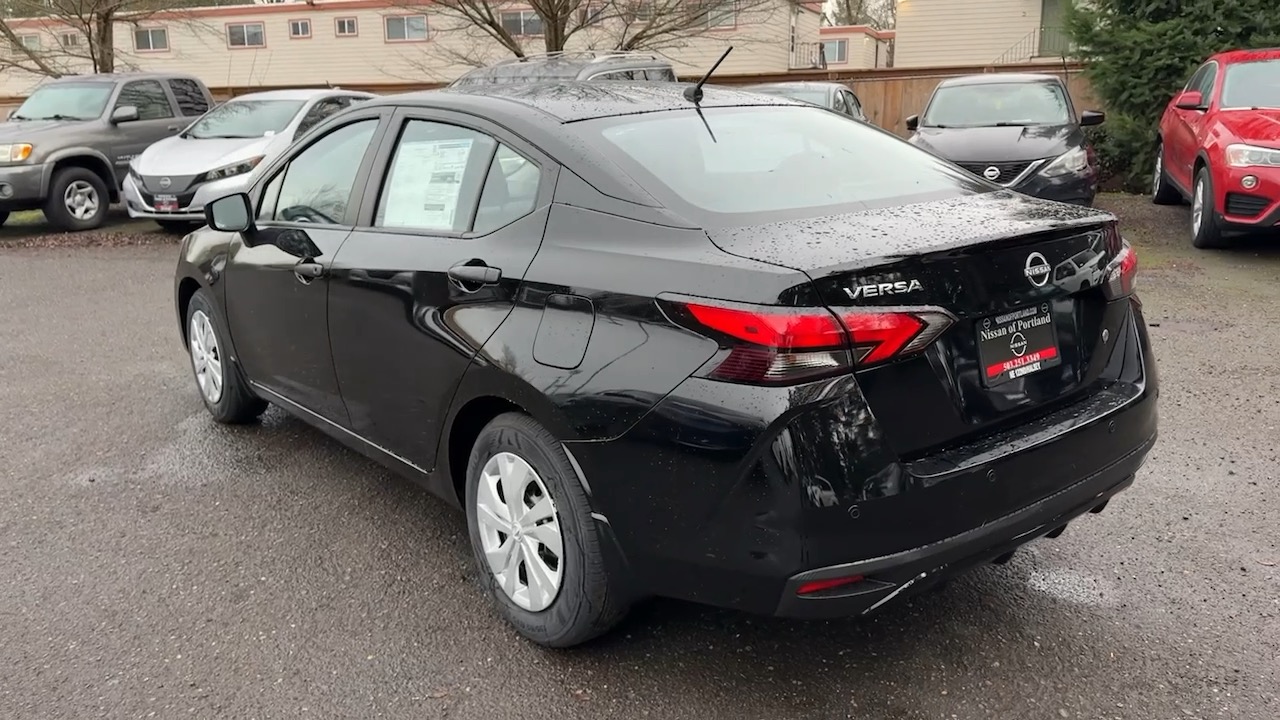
x=1190 y=100
x=124 y=114
x=1092 y=117
x=913 y=123
x=232 y=213
x=11 y=114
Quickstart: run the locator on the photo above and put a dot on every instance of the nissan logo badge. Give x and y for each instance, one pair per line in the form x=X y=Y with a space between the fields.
x=991 y=173
x=165 y=183
x=1037 y=269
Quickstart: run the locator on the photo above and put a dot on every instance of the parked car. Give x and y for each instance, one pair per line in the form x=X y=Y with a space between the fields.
x=1219 y=146
x=67 y=148
x=171 y=181
x=572 y=65
x=663 y=367
x=832 y=96
x=1017 y=130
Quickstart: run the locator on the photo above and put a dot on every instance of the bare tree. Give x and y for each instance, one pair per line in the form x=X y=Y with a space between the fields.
x=879 y=14
x=58 y=37
x=494 y=28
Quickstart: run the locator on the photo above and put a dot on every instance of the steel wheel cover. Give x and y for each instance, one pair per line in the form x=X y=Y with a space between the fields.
x=206 y=357
x=520 y=531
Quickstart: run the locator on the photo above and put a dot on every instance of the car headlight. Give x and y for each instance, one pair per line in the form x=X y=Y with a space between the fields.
x=1241 y=155
x=232 y=170
x=1071 y=162
x=17 y=152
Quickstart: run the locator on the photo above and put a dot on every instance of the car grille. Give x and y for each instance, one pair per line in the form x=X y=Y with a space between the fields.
x=1009 y=171
x=1243 y=205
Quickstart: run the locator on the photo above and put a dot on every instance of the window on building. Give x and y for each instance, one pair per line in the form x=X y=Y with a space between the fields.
x=30 y=42
x=299 y=28
x=721 y=13
x=406 y=27
x=524 y=22
x=69 y=40
x=641 y=10
x=150 y=39
x=246 y=35
x=836 y=51
x=591 y=13
x=346 y=27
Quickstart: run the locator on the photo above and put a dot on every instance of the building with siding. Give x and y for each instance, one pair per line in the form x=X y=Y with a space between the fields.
x=940 y=33
x=856 y=47
x=370 y=43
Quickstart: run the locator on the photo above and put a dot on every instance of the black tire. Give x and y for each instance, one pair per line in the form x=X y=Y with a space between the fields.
x=55 y=206
x=1209 y=235
x=176 y=227
x=589 y=602
x=1162 y=191
x=236 y=403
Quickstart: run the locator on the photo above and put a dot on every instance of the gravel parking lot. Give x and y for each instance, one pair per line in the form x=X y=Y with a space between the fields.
x=153 y=564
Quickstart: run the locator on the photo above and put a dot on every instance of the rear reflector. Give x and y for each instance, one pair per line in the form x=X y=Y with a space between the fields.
x=816 y=586
x=779 y=345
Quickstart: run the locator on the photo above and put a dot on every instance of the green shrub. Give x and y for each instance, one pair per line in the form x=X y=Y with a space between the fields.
x=1141 y=52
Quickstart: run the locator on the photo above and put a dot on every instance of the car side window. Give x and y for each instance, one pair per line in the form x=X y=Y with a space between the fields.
x=435 y=177
x=318 y=112
x=190 y=96
x=510 y=190
x=1207 y=82
x=149 y=97
x=661 y=74
x=841 y=105
x=620 y=75
x=855 y=106
x=316 y=185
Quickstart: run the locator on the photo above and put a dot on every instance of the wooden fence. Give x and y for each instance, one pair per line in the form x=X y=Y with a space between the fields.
x=889 y=95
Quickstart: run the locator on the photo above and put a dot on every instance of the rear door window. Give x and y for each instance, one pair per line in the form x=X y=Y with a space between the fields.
x=435 y=178
x=191 y=97
x=660 y=74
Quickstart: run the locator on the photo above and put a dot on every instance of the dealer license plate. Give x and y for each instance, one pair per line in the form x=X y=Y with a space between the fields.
x=1017 y=343
x=166 y=203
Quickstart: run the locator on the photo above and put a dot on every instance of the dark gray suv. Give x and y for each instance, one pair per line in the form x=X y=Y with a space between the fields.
x=66 y=150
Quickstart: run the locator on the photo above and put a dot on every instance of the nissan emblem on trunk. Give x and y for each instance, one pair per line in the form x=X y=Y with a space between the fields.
x=991 y=173
x=1037 y=269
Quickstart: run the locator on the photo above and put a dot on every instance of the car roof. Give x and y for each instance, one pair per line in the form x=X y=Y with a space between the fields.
x=1238 y=56
x=798 y=85
x=121 y=77
x=565 y=65
x=572 y=101
x=298 y=94
x=993 y=78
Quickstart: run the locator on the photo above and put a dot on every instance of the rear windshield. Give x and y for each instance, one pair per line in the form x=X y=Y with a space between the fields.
x=814 y=97
x=792 y=160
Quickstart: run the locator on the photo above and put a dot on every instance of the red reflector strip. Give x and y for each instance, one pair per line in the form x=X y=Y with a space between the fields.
x=814 y=586
x=995 y=369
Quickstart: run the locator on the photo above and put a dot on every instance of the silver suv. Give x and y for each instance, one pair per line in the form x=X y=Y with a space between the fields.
x=573 y=65
x=66 y=149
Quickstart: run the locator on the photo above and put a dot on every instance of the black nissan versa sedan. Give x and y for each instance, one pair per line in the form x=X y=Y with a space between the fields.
x=650 y=354
x=1017 y=130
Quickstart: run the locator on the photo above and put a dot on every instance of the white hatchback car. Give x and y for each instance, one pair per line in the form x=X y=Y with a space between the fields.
x=171 y=180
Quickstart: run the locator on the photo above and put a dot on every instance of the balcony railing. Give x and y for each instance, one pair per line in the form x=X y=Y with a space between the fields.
x=808 y=56
x=1043 y=42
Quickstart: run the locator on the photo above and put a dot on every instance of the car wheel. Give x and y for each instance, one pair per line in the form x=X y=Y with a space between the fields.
x=78 y=200
x=1162 y=192
x=1206 y=224
x=176 y=227
x=222 y=387
x=536 y=546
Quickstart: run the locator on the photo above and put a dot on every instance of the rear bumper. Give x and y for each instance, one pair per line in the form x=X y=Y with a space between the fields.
x=734 y=496
x=902 y=574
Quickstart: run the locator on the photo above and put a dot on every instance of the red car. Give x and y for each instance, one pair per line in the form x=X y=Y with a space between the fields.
x=1219 y=146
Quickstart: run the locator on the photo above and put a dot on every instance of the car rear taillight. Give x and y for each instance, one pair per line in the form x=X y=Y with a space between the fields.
x=1122 y=273
x=780 y=345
